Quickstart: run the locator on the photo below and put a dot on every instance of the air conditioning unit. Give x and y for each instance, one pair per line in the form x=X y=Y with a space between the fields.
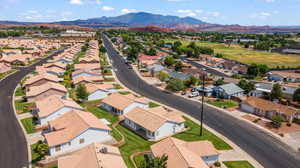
x=103 y=150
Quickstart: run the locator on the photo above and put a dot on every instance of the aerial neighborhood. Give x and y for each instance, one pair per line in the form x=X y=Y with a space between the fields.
x=130 y=98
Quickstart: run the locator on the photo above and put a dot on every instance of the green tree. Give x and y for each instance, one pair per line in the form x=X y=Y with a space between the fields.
x=42 y=149
x=219 y=82
x=296 y=95
x=169 y=61
x=102 y=49
x=276 y=92
x=277 y=121
x=175 y=85
x=247 y=86
x=155 y=162
x=81 y=92
x=192 y=81
x=163 y=76
x=151 y=52
x=178 y=66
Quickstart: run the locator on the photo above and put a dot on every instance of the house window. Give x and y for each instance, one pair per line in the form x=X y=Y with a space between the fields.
x=57 y=148
x=81 y=141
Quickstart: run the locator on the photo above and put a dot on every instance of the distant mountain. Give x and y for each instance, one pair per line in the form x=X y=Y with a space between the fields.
x=139 y=19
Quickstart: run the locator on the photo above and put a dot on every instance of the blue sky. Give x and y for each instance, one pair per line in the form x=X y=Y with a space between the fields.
x=243 y=12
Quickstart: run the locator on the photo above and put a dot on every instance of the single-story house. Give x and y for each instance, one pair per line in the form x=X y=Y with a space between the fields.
x=227 y=91
x=207 y=90
x=79 y=73
x=52 y=107
x=40 y=79
x=87 y=79
x=179 y=75
x=99 y=91
x=74 y=130
x=181 y=154
x=155 y=69
x=264 y=88
x=56 y=64
x=45 y=90
x=267 y=108
x=288 y=76
x=154 y=123
x=88 y=67
x=95 y=155
x=89 y=60
x=55 y=71
x=120 y=104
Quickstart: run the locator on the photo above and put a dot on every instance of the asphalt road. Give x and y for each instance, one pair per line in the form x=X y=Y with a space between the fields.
x=267 y=150
x=207 y=69
x=13 y=146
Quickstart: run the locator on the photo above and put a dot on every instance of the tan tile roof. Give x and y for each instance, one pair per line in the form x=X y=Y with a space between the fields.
x=56 y=64
x=179 y=155
x=86 y=71
x=70 y=125
x=90 y=157
x=88 y=79
x=55 y=69
x=270 y=106
x=91 y=88
x=287 y=74
x=122 y=101
x=36 y=90
x=53 y=103
x=46 y=76
x=152 y=119
x=87 y=66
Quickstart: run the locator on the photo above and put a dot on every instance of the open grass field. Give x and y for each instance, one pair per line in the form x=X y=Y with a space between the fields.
x=236 y=52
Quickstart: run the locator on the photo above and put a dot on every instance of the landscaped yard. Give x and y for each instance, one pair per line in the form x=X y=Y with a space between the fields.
x=28 y=124
x=124 y=92
x=23 y=107
x=19 y=92
x=238 y=164
x=134 y=143
x=34 y=155
x=236 y=52
x=193 y=134
x=152 y=105
x=223 y=103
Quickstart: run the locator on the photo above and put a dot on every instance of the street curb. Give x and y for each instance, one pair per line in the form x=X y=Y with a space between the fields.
x=232 y=144
x=17 y=70
x=24 y=131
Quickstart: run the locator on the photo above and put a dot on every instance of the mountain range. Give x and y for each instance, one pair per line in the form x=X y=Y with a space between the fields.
x=143 y=19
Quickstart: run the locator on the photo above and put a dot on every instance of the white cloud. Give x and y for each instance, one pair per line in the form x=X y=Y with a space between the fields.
x=215 y=14
x=107 y=8
x=48 y=15
x=76 y=2
x=125 y=11
x=269 y=1
x=187 y=12
x=261 y=15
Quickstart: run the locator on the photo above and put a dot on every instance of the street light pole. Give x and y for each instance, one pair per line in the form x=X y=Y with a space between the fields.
x=202 y=104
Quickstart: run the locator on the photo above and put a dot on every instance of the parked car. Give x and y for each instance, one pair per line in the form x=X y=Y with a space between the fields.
x=194 y=94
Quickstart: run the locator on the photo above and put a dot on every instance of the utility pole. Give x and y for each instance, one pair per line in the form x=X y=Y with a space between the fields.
x=202 y=104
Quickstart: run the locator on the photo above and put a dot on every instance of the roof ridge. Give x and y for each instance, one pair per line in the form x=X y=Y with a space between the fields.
x=178 y=150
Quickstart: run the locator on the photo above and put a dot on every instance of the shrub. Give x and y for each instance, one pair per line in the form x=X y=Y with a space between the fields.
x=217 y=164
x=175 y=85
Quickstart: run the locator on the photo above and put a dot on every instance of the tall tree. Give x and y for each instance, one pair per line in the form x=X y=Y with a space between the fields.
x=296 y=95
x=81 y=92
x=276 y=92
x=155 y=162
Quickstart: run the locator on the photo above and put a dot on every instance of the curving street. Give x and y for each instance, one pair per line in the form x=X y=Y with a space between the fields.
x=13 y=153
x=267 y=150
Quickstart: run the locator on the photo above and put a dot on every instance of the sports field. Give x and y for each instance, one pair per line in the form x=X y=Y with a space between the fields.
x=247 y=56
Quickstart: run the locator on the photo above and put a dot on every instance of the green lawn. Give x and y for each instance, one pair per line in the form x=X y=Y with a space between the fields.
x=28 y=124
x=238 y=53
x=117 y=86
x=139 y=159
x=152 y=105
x=23 y=107
x=124 y=92
x=19 y=92
x=193 y=134
x=224 y=103
x=134 y=143
x=238 y=164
